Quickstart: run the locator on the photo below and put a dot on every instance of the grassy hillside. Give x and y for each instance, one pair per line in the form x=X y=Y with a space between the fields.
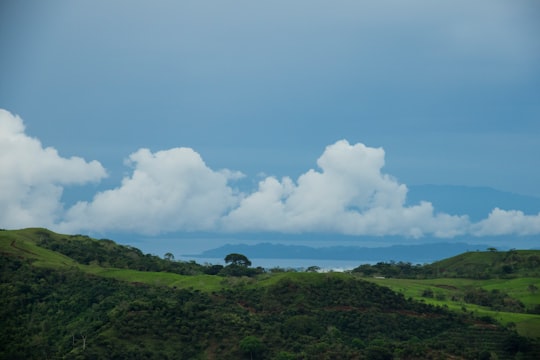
x=487 y=264
x=23 y=244
x=503 y=285
x=74 y=297
x=450 y=293
x=134 y=267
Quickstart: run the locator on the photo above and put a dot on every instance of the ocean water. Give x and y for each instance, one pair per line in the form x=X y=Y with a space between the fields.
x=298 y=264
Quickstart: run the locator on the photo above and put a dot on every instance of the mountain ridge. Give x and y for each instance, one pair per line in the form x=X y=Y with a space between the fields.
x=418 y=253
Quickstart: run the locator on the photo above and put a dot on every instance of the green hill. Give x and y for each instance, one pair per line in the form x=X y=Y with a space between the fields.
x=72 y=297
x=502 y=285
x=102 y=257
x=488 y=264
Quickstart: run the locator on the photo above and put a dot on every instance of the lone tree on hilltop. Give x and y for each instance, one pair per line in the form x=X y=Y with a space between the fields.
x=237 y=259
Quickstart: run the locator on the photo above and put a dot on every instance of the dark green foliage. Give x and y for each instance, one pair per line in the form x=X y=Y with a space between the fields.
x=393 y=269
x=251 y=345
x=379 y=352
x=284 y=355
x=473 y=265
x=239 y=265
x=237 y=259
x=65 y=313
x=213 y=269
x=107 y=253
x=239 y=270
x=50 y=313
x=494 y=299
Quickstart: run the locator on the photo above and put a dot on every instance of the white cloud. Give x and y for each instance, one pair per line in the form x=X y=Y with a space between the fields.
x=232 y=175
x=32 y=177
x=349 y=195
x=504 y=222
x=170 y=190
x=174 y=190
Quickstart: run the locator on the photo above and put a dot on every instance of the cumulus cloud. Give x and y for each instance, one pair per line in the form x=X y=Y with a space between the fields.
x=174 y=190
x=170 y=190
x=503 y=222
x=32 y=177
x=350 y=195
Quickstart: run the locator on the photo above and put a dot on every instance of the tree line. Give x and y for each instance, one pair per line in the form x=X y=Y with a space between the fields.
x=493 y=264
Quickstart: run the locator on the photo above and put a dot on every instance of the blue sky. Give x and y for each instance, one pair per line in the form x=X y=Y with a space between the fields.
x=235 y=102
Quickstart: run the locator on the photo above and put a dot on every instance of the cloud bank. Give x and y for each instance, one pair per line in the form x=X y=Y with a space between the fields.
x=168 y=191
x=501 y=222
x=32 y=177
x=174 y=190
x=349 y=195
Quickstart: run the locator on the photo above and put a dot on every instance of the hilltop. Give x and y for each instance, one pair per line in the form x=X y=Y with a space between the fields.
x=74 y=297
x=492 y=263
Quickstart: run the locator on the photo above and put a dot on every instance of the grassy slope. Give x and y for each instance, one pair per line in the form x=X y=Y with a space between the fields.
x=22 y=243
x=484 y=260
x=198 y=282
x=479 y=262
x=526 y=324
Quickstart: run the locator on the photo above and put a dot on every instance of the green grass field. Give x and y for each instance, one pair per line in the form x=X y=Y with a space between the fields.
x=446 y=288
x=197 y=282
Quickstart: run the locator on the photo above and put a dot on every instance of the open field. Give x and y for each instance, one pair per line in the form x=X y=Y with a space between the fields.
x=197 y=282
x=444 y=289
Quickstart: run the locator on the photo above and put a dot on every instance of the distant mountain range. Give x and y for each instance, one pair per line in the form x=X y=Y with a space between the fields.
x=423 y=253
x=477 y=202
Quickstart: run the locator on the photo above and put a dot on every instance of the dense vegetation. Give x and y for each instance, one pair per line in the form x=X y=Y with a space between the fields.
x=106 y=253
x=53 y=308
x=471 y=265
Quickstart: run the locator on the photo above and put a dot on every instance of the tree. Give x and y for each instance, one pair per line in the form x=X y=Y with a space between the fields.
x=251 y=344
x=213 y=269
x=169 y=256
x=237 y=259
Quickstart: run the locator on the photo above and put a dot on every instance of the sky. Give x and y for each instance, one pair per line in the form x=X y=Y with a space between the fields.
x=307 y=117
